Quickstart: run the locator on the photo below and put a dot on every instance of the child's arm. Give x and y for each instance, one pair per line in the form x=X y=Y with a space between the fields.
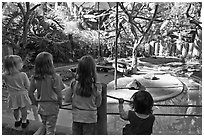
x=123 y=114
x=31 y=91
x=99 y=96
x=68 y=95
x=26 y=81
x=59 y=98
x=58 y=87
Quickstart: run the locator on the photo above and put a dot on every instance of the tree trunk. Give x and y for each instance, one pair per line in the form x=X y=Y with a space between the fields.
x=137 y=43
x=26 y=12
x=25 y=31
x=134 y=62
x=134 y=55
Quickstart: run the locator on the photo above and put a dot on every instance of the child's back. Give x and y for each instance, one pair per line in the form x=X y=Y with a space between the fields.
x=85 y=96
x=16 y=82
x=139 y=125
x=85 y=108
x=46 y=93
x=141 y=118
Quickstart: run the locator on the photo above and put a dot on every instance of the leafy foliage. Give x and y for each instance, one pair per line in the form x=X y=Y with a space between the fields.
x=50 y=24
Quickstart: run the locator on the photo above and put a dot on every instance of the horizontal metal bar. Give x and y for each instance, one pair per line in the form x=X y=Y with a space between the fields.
x=132 y=88
x=66 y=108
x=67 y=104
x=117 y=98
x=194 y=115
x=161 y=105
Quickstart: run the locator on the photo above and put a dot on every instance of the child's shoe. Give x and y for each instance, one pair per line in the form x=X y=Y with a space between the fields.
x=24 y=125
x=18 y=123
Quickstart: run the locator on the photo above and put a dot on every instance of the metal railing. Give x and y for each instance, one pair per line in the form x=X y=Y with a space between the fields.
x=102 y=111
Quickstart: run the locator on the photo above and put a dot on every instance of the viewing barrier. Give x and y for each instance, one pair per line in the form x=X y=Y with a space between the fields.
x=160 y=105
x=102 y=111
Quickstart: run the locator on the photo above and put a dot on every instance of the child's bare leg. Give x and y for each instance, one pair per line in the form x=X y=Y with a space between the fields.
x=24 y=114
x=35 y=113
x=16 y=114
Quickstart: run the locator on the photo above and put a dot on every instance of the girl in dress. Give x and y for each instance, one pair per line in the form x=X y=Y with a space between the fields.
x=17 y=84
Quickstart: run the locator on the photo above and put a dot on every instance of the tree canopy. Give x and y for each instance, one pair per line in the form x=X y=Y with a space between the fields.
x=62 y=27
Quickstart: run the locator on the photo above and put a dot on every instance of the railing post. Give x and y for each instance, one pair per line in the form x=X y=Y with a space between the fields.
x=102 y=113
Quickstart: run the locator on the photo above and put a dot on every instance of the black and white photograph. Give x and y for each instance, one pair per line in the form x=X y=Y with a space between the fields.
x=101 y=68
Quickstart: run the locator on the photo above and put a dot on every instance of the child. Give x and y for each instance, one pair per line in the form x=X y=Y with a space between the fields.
x=17 y=84
x=49 y=86
x=141 y=119
x=85 y=96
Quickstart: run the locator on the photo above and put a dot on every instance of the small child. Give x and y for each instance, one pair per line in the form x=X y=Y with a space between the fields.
x=49 y=86
x=17 y=84
x=85 y=96
x=141 y=119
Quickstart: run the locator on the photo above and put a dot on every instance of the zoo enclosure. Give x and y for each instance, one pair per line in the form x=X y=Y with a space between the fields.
x=102 y=111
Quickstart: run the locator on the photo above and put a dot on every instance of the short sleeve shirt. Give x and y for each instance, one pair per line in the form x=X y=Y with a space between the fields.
x=17 y=83
x=84 y=109
x=46 y=91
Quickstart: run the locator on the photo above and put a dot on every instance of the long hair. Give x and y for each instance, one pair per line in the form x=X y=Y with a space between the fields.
x=86 y=76
x=142 y=102
x=43 y=65
x=10 y=63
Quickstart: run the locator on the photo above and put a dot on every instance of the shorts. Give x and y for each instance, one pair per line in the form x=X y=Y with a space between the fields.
x=84 y=128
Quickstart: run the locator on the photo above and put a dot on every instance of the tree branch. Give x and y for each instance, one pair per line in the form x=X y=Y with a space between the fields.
x=193 y=20
x=153 y=18
x=33 y=8
x=56 y=23
x=124 y=10
x=12 y=43
x=133 y=8
x=158 y=20
x=21 y=8
x=189 y=7
x=28 y=6
x=149 y=26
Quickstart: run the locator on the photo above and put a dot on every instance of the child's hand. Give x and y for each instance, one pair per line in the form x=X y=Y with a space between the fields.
x=121 y=100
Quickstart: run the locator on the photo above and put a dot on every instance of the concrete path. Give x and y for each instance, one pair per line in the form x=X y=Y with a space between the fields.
x=63 y=122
